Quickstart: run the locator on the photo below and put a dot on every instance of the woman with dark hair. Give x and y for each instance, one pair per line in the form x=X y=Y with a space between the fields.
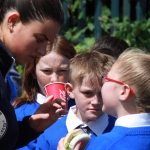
x=26 y=26
x=53 y=67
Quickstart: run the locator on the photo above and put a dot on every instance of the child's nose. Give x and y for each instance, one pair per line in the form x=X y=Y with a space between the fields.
x=54 y=77
x=95 y=100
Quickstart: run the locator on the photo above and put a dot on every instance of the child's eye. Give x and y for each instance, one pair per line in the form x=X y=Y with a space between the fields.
x=38 y=40
x=46 y=71
x=87 y=93
x=61 y=71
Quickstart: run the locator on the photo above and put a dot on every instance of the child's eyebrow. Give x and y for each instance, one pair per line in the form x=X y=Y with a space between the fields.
x=64 y=66
x=87 y=89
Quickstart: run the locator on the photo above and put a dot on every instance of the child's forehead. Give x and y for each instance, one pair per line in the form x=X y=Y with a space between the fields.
x=93 y=83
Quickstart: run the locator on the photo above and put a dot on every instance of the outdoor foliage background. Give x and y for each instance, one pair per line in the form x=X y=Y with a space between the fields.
x=135 y=33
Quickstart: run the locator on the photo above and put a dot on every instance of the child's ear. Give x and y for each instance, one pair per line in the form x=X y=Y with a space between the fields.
x=125 y=92
x=69 y=90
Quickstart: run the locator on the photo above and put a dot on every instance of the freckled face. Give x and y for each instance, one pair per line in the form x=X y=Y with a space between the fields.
x=52 y=68
x=88 y=101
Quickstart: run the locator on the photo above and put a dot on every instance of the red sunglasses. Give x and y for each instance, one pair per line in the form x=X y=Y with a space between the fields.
x=105 y=78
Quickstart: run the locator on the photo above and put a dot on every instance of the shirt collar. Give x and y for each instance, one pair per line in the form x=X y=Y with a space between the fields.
x=40 y=98
x=98 y=126
x=134 y=120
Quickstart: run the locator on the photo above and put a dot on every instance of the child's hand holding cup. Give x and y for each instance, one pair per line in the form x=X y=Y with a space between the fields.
x=57 y=89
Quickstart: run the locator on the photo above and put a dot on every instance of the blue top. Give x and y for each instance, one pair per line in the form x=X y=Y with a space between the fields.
x=122 y=138
x=10 y=129
x=12 y=89
x=59 y=130
x=51 y=136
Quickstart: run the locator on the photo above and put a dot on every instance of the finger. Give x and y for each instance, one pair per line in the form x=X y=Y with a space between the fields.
x=46 y=108
x=39 y=116
x=56 y=105
x=34 y=121
x=61 y=144
x=77 y=147
x=60 y=102
x=49 y=99
x=61 y=112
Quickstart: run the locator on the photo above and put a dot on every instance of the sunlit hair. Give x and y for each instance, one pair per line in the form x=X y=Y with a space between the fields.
x=112 y=46
x=30 y=87
x=133 y=68
x=32 y=10
x=89 y=66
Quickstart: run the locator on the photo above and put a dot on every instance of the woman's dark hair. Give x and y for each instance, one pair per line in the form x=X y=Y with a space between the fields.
x=30 y=10
x=112 y=46
x=30 y=87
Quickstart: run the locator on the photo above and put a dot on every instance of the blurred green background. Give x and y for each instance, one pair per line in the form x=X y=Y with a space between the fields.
x=88 y=20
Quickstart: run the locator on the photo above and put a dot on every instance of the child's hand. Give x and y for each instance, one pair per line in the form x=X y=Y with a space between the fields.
x=61 y=145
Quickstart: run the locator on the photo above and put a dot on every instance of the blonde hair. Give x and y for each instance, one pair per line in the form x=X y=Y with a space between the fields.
x=133 y=67
x=90 y=65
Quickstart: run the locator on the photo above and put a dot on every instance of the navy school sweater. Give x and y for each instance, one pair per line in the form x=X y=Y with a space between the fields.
x=51 y=136
x=12 y=133
x=122 y=138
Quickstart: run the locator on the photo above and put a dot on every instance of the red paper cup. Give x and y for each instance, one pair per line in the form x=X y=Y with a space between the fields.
x=56 y=89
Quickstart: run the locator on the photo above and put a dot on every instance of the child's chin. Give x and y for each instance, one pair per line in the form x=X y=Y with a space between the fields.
x=93 y=118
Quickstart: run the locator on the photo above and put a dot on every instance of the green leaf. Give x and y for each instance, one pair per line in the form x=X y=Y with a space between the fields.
x=106 y=11
x=80 y=15
x=90 y=26
x=75 y=5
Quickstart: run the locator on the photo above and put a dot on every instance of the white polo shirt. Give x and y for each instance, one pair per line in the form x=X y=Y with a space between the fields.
x=134 y=120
